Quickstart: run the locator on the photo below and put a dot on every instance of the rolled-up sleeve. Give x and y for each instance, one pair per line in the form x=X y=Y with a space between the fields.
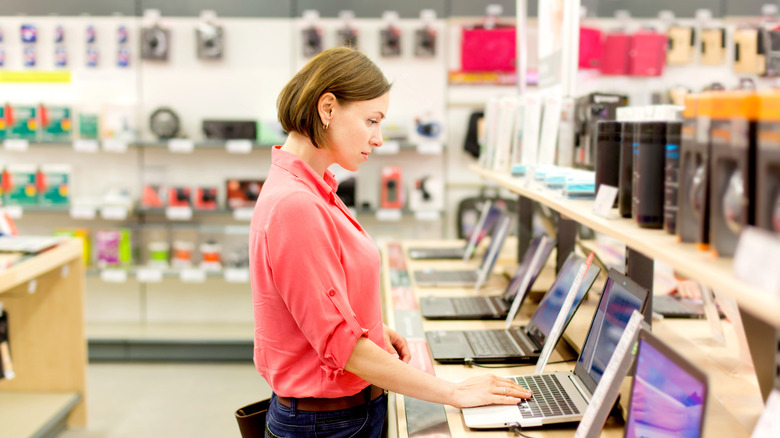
x=304 y=255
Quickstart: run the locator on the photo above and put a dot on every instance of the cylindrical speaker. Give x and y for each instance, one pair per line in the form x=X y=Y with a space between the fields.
x=608 y=154
x=626 y=168
x=648 y=174
x=672 y=175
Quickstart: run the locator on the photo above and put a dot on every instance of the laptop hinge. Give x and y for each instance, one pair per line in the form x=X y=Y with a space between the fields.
x=521 y=340
x=580 y=388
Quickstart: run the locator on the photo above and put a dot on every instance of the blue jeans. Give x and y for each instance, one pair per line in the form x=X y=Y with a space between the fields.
x=363 y=421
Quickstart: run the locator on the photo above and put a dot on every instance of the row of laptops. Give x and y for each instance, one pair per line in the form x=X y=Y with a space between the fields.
x=495 y=221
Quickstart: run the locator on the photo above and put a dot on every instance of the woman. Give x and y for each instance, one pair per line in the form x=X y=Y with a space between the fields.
x=319 y=337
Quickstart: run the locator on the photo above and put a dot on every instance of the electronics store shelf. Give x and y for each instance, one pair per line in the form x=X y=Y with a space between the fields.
x=44 y=292
x=35 y=415
x=702 y=266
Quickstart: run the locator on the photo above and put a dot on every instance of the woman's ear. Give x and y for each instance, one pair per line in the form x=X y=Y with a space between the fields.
x=325 y=106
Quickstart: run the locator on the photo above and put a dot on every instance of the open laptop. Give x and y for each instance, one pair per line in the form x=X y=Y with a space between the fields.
x=488 y=218
x=668 y=394
x=562 y=397
x=494 y=306
x=515 y=345
x=673 y=306
x=468 y=277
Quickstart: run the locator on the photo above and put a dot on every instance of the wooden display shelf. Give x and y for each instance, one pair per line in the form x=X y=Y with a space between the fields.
x=702 y=266
x=39 y=414
x=44 y=299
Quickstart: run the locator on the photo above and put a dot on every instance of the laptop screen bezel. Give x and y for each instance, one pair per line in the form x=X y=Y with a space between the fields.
x=497 y=240
x=533 y=329
x=513 y=287
x=680 y=362
x=634 y=289
x=476 y=235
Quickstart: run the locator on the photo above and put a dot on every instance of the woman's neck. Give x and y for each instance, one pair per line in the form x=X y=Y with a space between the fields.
x=318 y=158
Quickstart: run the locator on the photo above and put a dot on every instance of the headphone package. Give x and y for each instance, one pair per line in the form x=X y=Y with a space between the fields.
x=767 y=205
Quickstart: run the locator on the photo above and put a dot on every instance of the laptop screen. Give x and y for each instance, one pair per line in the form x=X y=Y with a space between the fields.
x=514 y=283
x=621 y=296
x=486 y=223
x=497 y=238
x=543 y=319
x=668 y=394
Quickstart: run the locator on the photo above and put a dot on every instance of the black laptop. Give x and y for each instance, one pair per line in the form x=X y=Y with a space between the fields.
x=515 y=345
x=488 y=219
x=494 y=306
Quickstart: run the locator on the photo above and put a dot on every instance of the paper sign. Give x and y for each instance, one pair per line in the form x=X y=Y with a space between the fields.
x=114 y=213
x=429 y=147
x=181 y=145
x=87 y=146
x=754 y=248
x=426 y=215
x=243 y=214
x=607 y=390
x=83 y=212
x=605 y=199
x=113 y=275
x=388 y=214
x=388 y=148
x=17 y=145
x=114 y=145
x=149 y=275
x=178 y=213
x=192 y=275
x=560 y=321
x=236 y=275
x=238 y=146
x=768 y=425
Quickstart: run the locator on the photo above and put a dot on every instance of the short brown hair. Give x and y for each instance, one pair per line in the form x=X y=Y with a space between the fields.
x=347 y=73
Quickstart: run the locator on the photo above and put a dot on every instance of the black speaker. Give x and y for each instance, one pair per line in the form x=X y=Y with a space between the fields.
x=626 y=168
x=608 y=153
x=647 y=186
x=230 y=129
x=671 y=175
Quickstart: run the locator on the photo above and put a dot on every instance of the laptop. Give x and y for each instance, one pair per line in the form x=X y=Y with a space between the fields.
x=672 y=306
x=562 y=397
x=668 y=393
x=468 y=277
x=495 y=306
x=514 y=345
x=488 y=218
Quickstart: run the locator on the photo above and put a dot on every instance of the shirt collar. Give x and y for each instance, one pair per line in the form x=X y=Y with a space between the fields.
x=301 y=170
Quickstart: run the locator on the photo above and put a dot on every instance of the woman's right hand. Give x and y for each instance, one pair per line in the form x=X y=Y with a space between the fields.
x=488 y=390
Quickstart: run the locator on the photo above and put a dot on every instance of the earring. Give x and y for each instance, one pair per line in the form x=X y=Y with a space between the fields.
x=325 y=126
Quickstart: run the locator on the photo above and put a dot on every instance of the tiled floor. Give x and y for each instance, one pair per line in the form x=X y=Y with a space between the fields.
x=169 y=400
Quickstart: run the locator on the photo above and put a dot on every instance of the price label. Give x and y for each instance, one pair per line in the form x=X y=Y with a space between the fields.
x=238 y=146
x=388 y=214
x=113 y=275
x=178 y=213
x=236 y=275
x=754 y=248
x=86 y=146
x=149 y=275
x=236 y=230
x=426 y=215
x=388 y=148
x=32 y=286
x=429 y=147
x=192 y=275
x=115 y=145
x=16 y=145
x=605 y=199
x=181 y=146
x=243 y=214
x=114 y=213
x=14 y=211
x=83 y=212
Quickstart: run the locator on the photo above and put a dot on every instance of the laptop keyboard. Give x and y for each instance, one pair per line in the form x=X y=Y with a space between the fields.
x=470 y=306
x=549 y=400
x=491 y=343
x=670 y=306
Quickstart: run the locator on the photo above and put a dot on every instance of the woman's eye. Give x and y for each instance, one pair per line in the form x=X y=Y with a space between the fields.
x=372 y=121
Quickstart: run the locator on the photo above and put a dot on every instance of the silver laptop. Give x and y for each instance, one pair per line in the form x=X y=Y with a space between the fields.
x=493 y=306
x=518 y=344
x=562 y=397
x=469 y=277
x=488 y=218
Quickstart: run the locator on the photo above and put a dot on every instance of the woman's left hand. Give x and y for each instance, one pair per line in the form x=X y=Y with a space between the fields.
x=396 y=344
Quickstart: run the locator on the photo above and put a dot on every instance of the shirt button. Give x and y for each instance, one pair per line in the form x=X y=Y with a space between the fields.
x=332 y=293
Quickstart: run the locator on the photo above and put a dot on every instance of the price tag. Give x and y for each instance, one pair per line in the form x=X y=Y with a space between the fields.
x=754 y=248
x=149 y=275
x=192 y=275
x=388 y=148
x=113 y=275
x=429 y=147
x=605 y=199
x=178 y=213
x=65 y=271
x=388 y=214
x=114 y=213
x=83 y=212
x=236 y=275
x=426 y=215
x=115 y=145
x=238 y=146
x=16 y=145
x=236 y=230
x=243 y=214
x=181 y=145
x=14 y=211
x=86 y=146
x=32 y=286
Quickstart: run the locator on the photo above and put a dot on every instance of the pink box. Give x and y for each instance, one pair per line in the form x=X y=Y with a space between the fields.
x=615 y=56
x=591 y=47
x=648 y=54
x=488 y=49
